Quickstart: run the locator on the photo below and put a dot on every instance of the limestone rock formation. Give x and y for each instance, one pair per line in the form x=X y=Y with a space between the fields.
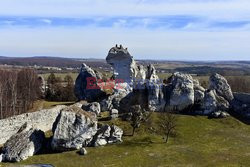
x=115 y=134
x=42 y=119
x=107 y=134
x=199 y=92
x=123 y=64
x=25 y=143
x=94 y=107
x=151 y=73
x=156 y=100
x=120 y=92
x=182 y=91
x=241 y=104
x=220 y=85
x=214 y=103
x=86 y=85
x=73 y=129
x=141 y=73
x=114 y=113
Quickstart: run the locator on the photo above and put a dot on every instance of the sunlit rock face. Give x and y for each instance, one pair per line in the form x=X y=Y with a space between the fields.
x=221 y=86
x=123 y=64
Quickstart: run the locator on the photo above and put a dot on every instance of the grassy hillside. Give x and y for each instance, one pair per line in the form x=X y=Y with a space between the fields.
x=199 y=142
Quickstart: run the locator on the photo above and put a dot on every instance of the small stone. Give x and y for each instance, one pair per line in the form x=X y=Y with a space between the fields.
x=83 y=151
x=224 y=115
x=1 y=157
x=114 y=111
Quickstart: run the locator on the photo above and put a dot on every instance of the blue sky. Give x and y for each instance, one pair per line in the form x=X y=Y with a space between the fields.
x=151 y=29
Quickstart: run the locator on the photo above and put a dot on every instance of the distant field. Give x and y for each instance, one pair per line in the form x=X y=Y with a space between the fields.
x=61 y=75
x=199 y=142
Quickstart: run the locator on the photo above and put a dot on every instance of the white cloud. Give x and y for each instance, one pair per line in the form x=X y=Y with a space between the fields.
x=190 y=42
x=47 y=21
x=226 y=9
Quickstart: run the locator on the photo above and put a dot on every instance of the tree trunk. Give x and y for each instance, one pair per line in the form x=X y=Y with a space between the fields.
x=167 y=137
x=133 y=131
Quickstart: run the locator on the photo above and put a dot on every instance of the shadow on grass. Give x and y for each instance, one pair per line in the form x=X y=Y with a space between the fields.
x=239 y=117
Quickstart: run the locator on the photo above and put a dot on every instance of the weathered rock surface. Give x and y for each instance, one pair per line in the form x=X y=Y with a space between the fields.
x=86 y=86
x=115 y=134
x=1 y=157
x=25 y=143
x=107 y=134
x=141 y=73
x=114 y=113
x=120 y=93
x=182 y=91
x=94 y=107
x=214 y=103
x=123 y=64
x=241 y=104
x=156 y=100
x=220 y=85
x=219 y=114
x=42 y=120
x=199 y=92
x=83 y=151
x=73 y=129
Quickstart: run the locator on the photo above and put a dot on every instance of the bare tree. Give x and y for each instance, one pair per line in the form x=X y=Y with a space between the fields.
x=168 y=123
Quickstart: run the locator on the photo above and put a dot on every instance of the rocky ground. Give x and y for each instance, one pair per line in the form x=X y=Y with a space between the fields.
x=199 y=142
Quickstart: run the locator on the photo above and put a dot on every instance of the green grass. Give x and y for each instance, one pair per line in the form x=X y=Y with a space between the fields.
x=199 y=142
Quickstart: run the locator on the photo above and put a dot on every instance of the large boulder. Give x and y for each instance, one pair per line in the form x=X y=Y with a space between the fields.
x=25 y=143
x=181 y=91
x=106 y=135
x=220 y=85
x=73 y=129
x=124 y=66
x=241 y=104
x=86 y=85
x=120 y=97
x=214 y=103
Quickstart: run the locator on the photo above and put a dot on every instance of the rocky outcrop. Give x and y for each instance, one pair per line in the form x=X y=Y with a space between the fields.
x=199 y=92
x=151 y=74
x=220 y=85
x=121 y=93
x=141 y=73
x=42 y=119
x=86 y=85
x=73 y=129
x=181 y=91
x=106 y=135
x=241 y=104
x=25 y=143
x=123 y=64
x=214 y=103
x=94 y=107
x=156 y=100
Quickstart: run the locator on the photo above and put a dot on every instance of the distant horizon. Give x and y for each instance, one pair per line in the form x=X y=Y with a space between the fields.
x=170 y=29
x=140 y=59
